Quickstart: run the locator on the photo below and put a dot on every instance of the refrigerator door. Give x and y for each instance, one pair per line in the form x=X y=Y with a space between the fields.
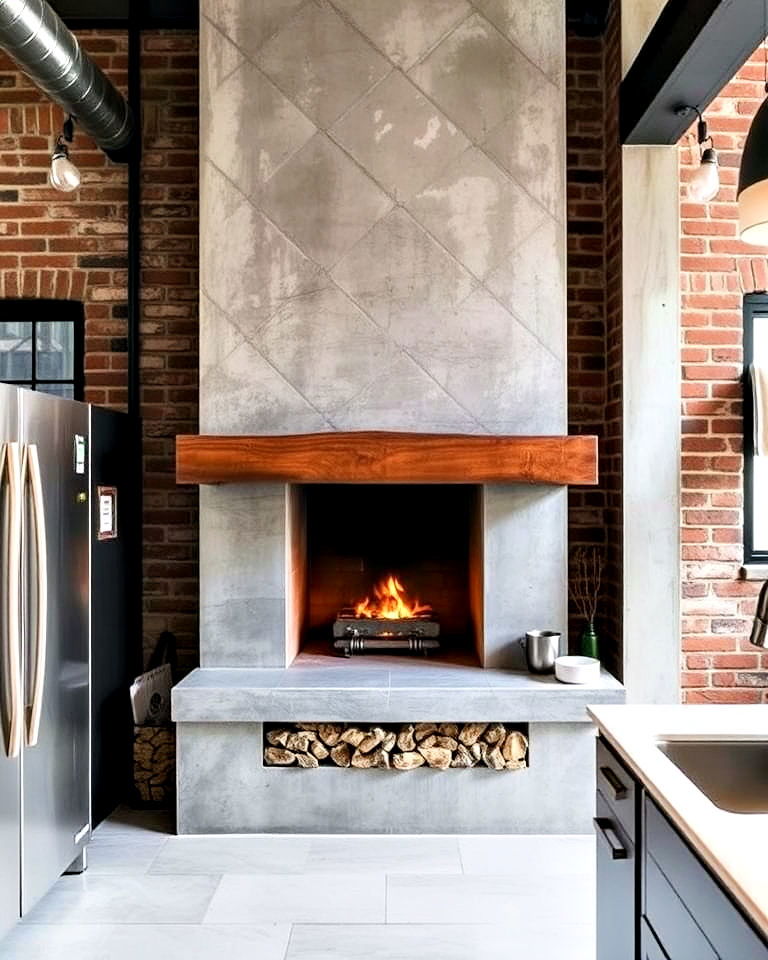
x=10 y=767
x=56 y=755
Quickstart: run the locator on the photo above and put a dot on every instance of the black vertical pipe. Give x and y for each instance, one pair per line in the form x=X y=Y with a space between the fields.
x=135 y=480
x=134 y=211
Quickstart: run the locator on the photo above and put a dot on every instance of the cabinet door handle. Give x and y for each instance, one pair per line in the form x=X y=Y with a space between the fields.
x=619 y=790
x=605 y=829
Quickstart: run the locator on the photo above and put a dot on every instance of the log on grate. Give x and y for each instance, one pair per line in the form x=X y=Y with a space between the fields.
x=354 y=635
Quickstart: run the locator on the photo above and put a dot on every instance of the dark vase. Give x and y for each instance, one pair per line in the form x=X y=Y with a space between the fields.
x=588 y=642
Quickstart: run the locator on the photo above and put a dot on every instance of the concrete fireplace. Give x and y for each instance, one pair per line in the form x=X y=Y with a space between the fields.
x=382 y=249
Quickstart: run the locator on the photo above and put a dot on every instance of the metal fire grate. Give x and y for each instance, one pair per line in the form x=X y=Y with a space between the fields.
x=355 y=635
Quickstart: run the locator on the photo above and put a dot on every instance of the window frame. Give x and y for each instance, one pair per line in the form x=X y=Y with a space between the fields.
x=754 y=304
x=44 y=311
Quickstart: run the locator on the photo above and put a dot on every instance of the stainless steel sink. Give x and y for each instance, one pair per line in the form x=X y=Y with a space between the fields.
x=733 y=774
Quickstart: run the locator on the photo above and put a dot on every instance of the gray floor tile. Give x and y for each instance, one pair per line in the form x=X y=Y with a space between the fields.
x=287 y=898
x=528 y=856
x=435 y=942
x=134 y=941
x=125 y=899
x=319 y=898
x=525 y=901
x=238 y=855
x=56 y=942
x=196 y=942
x=123 y=855
x=384 y=855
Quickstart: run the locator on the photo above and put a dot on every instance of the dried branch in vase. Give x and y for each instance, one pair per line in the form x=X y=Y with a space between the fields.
x=586 y=580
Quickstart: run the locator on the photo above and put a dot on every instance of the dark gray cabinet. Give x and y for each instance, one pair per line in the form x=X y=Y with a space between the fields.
x=687 y=908
x=656 y=900
x=615 y=831
x=616 y=863
x=650 y=949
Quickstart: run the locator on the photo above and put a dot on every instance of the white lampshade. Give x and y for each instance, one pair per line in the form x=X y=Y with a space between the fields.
x=753 y=214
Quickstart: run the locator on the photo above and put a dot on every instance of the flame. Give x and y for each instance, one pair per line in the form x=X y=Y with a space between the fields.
x=391 y=602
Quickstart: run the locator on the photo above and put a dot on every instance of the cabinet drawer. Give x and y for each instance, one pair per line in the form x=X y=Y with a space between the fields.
x=617 y=785
x=667 y=916
x=649 y=945
x=719 y=918
x=616 y=902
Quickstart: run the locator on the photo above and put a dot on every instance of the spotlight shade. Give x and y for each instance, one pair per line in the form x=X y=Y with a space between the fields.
x=753 y=181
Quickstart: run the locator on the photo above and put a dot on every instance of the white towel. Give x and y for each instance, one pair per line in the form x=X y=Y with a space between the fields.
x=759 y=376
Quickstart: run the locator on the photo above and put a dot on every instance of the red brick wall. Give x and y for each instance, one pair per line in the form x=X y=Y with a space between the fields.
x=169 y=333
x=586 y=270
x=74 y=246
x=719 y=665
x=592 y=147
x=66 y=245
x=611 y=463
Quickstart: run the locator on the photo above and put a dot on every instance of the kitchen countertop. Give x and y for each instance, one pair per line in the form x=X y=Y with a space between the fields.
x=733 y=845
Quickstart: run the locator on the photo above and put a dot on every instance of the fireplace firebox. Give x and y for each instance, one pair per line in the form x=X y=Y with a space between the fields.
x=392 y=568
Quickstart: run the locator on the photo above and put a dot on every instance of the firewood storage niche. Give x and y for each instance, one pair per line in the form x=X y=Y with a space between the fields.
x=390 y=568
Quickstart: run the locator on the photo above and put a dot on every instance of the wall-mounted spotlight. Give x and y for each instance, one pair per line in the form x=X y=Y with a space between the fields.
x=63 y=174
x=704 y=183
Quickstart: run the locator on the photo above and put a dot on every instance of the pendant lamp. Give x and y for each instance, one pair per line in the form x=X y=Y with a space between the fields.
x=752 y=194
x=753 y=182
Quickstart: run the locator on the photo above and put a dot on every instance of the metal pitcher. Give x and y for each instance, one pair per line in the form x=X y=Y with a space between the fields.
x=542 y=647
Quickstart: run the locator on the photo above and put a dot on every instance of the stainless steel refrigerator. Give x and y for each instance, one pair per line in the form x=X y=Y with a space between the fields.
x=44 y=644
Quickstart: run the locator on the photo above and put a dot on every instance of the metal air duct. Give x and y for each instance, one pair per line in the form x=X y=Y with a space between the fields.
x=33 y=34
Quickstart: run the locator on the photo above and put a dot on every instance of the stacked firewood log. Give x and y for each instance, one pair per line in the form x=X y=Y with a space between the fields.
x=154 y=764
x=404 y=746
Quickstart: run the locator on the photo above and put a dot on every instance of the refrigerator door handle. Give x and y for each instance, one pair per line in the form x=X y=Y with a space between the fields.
x=41 y=589
x=10 y=466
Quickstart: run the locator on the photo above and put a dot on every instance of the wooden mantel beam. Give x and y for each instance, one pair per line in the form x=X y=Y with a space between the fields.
x=382 y=457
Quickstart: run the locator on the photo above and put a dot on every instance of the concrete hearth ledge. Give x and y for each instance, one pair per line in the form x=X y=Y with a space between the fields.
x=378 y=689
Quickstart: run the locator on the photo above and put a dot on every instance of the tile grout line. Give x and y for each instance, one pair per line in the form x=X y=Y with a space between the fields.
x=289 y=941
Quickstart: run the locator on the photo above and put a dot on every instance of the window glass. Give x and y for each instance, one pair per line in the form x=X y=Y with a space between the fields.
x=57 y=389
x=15 y=351
x=760 y=464
x=41 y=345
x=760 y=506
x=55 y=350
x=755 y=466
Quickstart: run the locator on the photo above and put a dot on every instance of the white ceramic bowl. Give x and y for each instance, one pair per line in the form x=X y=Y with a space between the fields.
x=577 y=669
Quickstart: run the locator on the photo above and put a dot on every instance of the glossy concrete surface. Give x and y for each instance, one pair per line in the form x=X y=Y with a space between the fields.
x=733 y=845
x=386 y=689
x=150 y=894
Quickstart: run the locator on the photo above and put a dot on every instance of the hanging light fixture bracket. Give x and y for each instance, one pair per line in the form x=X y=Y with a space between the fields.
x=704 y=183
x=702 y=133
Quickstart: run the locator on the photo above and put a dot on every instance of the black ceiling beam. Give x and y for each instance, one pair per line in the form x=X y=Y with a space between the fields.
x=694 y=49
x=152 y=14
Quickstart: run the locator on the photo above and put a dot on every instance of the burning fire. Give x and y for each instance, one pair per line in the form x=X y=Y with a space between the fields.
x=391 y=603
